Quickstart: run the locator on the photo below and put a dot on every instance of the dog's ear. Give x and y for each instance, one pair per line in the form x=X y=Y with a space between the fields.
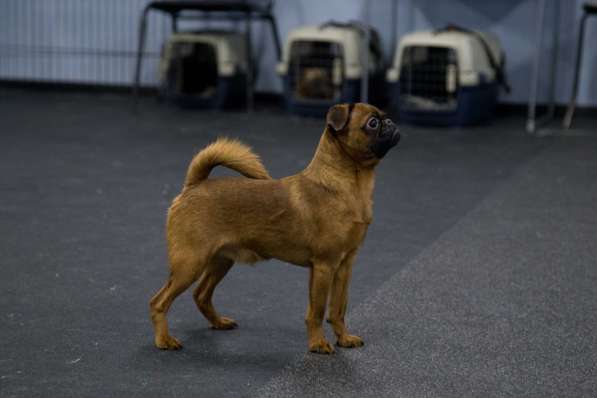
x=338 y=116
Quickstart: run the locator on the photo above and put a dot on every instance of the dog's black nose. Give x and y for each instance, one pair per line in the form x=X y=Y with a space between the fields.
x=391 y=128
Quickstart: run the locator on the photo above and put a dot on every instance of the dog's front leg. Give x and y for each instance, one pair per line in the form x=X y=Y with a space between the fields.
x=338 y=303
x=319 y=285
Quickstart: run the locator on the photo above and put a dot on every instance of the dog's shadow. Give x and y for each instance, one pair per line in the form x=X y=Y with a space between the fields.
x=273 y=351
x=238 y=348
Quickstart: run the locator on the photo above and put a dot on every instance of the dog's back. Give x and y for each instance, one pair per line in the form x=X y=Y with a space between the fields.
x=244 y=219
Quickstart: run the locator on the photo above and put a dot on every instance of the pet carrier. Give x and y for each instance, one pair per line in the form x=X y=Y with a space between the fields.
x=323 y=65
x=447 y=77
x=204 y=69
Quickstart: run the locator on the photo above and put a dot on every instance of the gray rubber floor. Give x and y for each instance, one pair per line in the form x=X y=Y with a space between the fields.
x=478 y=276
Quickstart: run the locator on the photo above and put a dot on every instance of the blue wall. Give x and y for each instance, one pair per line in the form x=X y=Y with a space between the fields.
x=93 y=41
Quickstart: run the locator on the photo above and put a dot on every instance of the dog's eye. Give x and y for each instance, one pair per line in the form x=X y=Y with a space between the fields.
x=373 y=123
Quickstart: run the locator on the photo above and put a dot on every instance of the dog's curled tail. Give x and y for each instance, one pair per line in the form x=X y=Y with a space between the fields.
x=229 y=153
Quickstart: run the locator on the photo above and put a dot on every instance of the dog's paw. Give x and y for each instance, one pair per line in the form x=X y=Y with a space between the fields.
x=224 y=323
x=321 y=347
x=167 y=342
x=350 y=341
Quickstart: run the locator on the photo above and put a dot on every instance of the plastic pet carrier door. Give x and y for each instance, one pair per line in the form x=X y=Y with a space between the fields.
x=316 y=70
x=323 y=65
x=204 y=69
x=429 y=78
x=447 y=77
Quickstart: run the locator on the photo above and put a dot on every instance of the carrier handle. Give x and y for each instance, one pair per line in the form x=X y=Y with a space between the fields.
x=498 y=68
x=373 y=36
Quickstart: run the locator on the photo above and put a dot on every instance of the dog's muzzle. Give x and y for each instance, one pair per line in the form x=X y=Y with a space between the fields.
x=388 y=137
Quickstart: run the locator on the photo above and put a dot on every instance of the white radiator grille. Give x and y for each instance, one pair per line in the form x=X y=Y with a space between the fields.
x=77 y=41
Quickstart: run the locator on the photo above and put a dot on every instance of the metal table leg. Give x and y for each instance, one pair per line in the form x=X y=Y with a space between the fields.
x=174 y=21
x=533 y=122
x=140 y=51
x=394 y=30
x=554 y=62
x=366 y=58
x=539 y=28
x=366 y=61
x=274 y=29
x=249 y=80
x=572 y=105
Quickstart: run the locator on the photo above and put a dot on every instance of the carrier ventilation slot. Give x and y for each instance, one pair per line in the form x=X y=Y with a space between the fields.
x=429 y=79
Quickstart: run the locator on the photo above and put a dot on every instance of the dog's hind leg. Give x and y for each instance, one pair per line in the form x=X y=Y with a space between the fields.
x=214 y=273
x=182 y=274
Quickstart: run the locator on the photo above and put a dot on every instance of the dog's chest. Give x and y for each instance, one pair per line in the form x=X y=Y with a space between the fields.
x=356 y=233
x=344 y=234
x=351 y=227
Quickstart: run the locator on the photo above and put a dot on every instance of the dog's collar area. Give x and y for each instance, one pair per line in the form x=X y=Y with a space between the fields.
x=356 y=162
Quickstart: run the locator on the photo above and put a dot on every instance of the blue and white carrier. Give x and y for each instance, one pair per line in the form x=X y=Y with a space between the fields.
x=324 y=65
x=205 y=69
x=447 y=77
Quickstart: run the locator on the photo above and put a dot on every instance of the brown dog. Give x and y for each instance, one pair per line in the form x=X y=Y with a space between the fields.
x=315 y=83
x=316 y=219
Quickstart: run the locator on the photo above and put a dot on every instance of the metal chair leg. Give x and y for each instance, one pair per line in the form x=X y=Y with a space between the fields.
x=539 y=28
x=274 y=29
x=140 y=51
x=572 y=105
x=174 y=22
x=551 y=109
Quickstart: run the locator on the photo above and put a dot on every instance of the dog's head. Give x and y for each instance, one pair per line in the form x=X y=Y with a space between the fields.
x=363 y=131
